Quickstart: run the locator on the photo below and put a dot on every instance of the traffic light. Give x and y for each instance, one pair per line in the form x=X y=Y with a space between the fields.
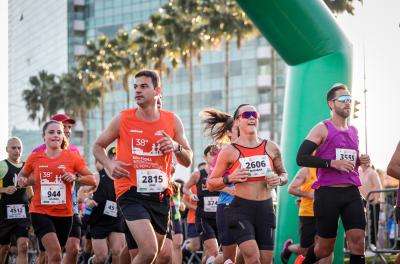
x=355 y=109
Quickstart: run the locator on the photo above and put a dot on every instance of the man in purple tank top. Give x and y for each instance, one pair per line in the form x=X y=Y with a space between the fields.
x=336 y=190
x=393 y=170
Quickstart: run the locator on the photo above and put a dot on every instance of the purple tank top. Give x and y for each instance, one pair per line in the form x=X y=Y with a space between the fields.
x=338 y=145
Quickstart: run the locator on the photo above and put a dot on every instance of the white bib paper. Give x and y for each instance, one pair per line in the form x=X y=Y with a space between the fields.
x=346 y=154
x=111 y=208
x=210 y=203
x=151 y=180
x=258 y=166
x=53 y=194
x=16 y=211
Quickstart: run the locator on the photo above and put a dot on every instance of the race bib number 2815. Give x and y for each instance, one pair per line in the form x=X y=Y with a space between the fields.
x=151 y=180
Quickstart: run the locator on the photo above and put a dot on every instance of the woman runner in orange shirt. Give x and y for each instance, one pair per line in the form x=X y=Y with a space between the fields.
x=54 y=174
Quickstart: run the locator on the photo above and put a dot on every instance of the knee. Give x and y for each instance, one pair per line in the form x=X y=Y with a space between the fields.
x=148 y=255
x=254 y=259
x=164 y=258
x=23 y=248
x=73 y=249
x=100 y=259
x=54 y=256
x=322 y=252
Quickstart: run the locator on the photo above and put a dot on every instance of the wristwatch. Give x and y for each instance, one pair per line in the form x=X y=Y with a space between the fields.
x=178 y=148
x=225 y=180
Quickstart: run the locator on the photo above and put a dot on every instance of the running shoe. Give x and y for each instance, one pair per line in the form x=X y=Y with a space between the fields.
x=285 y=253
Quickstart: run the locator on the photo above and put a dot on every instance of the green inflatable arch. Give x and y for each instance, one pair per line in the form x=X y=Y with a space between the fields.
x=307 y=37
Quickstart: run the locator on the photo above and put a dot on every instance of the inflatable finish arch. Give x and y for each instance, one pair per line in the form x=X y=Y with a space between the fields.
x=307 y=37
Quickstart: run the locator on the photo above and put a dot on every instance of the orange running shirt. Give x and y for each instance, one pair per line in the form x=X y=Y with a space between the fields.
x=306 y=204
x=52 y=195
x=191 y=216
x=150 y=169
x=256 y=160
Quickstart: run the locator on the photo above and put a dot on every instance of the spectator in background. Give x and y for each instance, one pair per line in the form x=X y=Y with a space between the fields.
x=370 y=181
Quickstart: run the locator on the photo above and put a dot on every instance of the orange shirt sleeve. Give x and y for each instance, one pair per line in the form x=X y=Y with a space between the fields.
x=79 y=163
x=29 y=164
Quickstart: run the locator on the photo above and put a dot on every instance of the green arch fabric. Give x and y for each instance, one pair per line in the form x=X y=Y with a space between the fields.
x=307 y=37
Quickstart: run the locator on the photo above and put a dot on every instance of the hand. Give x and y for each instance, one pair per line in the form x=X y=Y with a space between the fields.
x=167 y=145
x=68 y=177
x=230 y=190
x=22 y=181
x=91 y=203
x=10 y=189
x=182 y=207
x=239 y=175
x=365 y=160
x=194 y=197
x=342 y=165
x=115 y=167
x=310 y=195
x=273 y=180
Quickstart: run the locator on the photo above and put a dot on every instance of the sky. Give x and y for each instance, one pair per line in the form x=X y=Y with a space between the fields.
x=374 y=31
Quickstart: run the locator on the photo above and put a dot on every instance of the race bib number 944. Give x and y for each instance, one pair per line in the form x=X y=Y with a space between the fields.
x=346 y=154
x=151 y=180
x=53 y=194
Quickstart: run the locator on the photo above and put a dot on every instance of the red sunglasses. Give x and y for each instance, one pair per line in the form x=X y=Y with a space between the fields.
x=248 y=114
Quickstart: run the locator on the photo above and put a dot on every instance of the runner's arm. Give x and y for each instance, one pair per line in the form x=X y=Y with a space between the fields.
x=298 y=180
x=185 y=155
x=393 y=168
x=279 y=168
x=105 y=139
x=193 y=180
x=86 y=177
x=305 y=157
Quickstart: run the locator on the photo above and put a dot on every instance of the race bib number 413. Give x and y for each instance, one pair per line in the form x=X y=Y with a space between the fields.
x=258 y=166
x=151 y=180
x=346 y=154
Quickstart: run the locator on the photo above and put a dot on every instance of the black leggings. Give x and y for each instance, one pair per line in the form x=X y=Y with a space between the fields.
x=44 y=224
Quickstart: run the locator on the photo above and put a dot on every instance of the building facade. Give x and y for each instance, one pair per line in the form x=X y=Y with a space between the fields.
x=249 y=70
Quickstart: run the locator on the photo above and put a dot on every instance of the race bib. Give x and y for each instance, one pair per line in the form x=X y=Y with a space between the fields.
x=111 y=208
x=258 y=166
x=16 y=211
x=210 y=203
x=346 y=154
x=151 y=180
x=53 y=194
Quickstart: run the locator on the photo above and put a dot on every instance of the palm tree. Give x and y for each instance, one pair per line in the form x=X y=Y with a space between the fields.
x=340 y=6
x=45 y=96
x=129 y=58
x=225 y=21
x=78 y=100
x=98 y=69
x=182 y=28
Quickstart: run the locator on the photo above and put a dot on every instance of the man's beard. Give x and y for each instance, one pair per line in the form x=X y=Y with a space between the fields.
x=342 y=113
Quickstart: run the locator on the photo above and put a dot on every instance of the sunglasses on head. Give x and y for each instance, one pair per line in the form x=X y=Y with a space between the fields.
x=344 y=99
x=249 y=114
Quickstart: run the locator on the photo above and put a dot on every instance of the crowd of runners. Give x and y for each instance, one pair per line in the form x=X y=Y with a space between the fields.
x=54 y=209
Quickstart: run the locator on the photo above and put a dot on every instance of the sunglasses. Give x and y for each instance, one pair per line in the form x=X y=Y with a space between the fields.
x=344 y=99
x=249 y=114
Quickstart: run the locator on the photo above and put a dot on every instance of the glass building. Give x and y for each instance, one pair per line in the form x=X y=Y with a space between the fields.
x=250 y=69
x=38 y=40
